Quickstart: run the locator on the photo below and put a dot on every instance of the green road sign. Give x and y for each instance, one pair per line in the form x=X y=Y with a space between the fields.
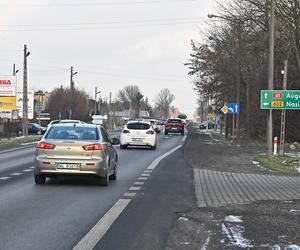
x=280 y=99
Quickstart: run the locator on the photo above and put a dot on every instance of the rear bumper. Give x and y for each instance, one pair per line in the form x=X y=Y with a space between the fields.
x=174 y=129
x=148 y=141
x=48 y=167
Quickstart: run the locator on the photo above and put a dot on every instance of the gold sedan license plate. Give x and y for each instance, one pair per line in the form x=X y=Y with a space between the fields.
x=67 y=165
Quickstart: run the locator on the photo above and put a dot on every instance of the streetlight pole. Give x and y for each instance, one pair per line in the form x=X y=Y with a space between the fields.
x=25 y=96
x=14 y=70
x=271 y=78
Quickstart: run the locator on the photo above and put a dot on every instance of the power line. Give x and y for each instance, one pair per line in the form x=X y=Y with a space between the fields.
x=106 y=23
x=95 y=3
x=102 y=27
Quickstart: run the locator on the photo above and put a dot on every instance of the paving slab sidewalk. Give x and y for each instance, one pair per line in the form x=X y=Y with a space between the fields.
x=239 y=205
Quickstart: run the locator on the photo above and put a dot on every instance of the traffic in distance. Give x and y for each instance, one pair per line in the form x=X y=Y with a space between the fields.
x=75 y=148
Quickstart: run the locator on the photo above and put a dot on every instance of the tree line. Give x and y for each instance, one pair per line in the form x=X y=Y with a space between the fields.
x=232 y=60
x=64 y=103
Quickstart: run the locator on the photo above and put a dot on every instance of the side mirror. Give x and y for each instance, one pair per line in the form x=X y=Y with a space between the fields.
x=157 y=130
x=115 y=141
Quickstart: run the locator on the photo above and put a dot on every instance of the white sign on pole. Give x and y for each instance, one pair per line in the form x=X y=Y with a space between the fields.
x=30 y=95
x=8 y=85
x=6 y=114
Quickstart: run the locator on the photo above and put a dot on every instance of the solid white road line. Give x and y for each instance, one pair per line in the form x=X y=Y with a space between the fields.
x=90 y=240
x=134 y=188
x=154 y=164
x=4 y=178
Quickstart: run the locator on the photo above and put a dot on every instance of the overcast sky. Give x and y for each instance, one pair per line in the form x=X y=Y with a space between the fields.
x=111 y=43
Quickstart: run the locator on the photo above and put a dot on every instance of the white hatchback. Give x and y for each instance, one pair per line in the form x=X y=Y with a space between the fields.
x=138 y=133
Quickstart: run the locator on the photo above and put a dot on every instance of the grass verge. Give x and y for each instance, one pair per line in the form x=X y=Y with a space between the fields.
x=282 y=164
x=15 y=141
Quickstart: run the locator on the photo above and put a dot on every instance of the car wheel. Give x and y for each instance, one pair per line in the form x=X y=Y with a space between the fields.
x=114 y=175
x=182 y=132
x=39 y=179
x=123 y=146
x=105 y=180
x=153 y=147
x=166 y=132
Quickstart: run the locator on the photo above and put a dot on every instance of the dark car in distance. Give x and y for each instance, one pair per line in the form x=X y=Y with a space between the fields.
x=36 y=129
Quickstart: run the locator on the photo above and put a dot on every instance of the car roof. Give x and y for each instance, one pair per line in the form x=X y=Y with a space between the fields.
x=76 y=125
x=138 y=121
x=70 y=121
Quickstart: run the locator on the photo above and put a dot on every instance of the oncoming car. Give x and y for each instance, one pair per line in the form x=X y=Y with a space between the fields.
x=138 y=133
x=76 y=149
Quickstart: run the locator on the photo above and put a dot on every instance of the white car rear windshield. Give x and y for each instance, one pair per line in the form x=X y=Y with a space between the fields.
x=73 y=133
x=138 y=126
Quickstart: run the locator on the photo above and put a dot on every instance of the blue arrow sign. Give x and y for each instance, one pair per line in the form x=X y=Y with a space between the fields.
x=233 y=108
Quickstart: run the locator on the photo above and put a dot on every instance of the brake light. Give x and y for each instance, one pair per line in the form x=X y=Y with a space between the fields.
x=150 y=132
x=125 y=131
x=44 y=145
x=92 y=147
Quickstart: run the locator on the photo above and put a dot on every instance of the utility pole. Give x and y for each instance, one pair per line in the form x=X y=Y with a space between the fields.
x=96 y=93
x=283 y=112
x=25 y=96
x=271 y=79
x=72 y=89
x=71 y=79
x=238 y=78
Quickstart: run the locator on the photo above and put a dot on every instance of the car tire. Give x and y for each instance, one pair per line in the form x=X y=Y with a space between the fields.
x=166 y=132
x=153 y=147
x=39 y=179
x=123 y=146
x=182 y=132
x=114 y=176
x=105 y=180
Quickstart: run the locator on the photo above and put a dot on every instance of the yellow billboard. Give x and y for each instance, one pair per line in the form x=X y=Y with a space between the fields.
x=8 y=103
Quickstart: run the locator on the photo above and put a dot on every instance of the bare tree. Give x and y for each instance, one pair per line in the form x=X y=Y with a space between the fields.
x=63 y=101
x=163 y=102
x=131 y=97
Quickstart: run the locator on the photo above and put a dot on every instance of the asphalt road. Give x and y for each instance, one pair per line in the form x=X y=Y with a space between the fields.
x=60 y=214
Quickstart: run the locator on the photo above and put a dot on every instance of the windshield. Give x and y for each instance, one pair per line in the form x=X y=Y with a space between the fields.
x=174 y=121
x=73 y=133
x=138 y=126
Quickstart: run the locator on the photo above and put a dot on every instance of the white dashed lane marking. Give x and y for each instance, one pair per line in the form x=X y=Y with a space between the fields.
x=134 y=188
x=137 y=183
x=27 y=170
x=148 y=171
x=129 y=194
x=4 y=178
x=145 y=175
x=143 y=178
x=16 y=174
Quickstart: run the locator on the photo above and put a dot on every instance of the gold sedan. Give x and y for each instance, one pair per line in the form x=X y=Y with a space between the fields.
x=76 y=149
